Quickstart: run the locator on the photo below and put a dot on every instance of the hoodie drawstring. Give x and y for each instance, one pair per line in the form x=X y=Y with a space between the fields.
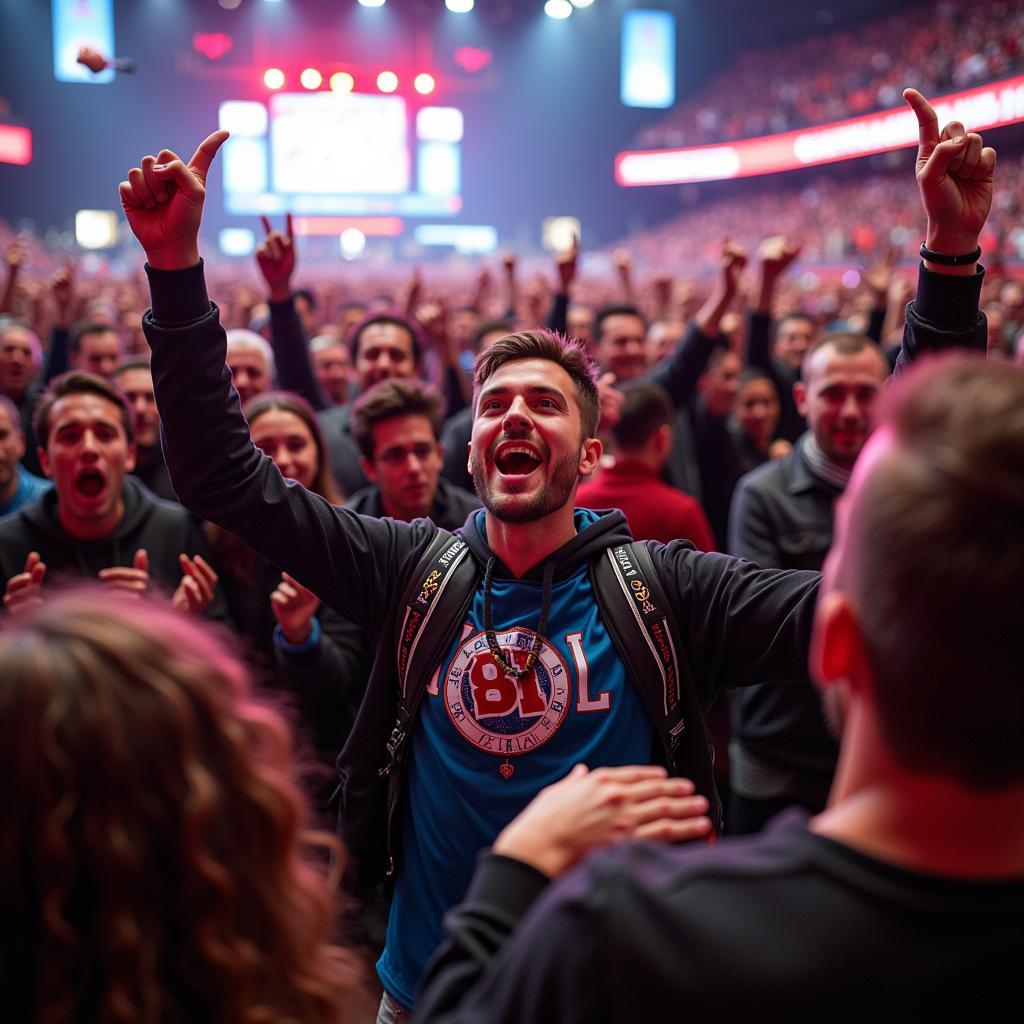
x=542 y=625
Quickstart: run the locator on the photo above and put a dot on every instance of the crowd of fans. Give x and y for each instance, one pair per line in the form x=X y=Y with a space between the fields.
x=715 y=393
x=937 y=47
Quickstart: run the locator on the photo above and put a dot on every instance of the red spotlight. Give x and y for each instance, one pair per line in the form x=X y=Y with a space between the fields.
x=212 y=45
x=424 y=84
x=273 y=78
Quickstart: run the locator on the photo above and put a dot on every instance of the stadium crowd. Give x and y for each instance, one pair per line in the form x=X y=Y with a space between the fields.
x=457 y=636
x=938 y=46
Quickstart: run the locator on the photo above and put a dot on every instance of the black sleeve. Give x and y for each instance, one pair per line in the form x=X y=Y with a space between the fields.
x=740 y=624
x=454 y=396
x=679 y=373
x=356 y=564
x=56 y=361
x=291 y=354
x=945 y=315
x=876 y=321
x=550 y=969
x=558 y=317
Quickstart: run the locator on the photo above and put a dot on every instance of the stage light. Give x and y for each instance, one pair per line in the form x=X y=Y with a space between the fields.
x=459 y=6
x=243 y=118
x=273 y=78
x=582 y=3
x=558 y=9
x=559 y=233
x=237 y=241
x=424 y=84
x=342 y=81
x=95 y=229
x=352 y=242
x=371 y=3
x=229 y=5
x=311 y=78
x=387 y=81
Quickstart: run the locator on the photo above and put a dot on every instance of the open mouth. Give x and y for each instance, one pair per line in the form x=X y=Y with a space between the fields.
x=517 y=460
x=90 y=484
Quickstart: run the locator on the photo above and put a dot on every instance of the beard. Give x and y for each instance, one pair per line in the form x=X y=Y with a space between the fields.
x=512 y=508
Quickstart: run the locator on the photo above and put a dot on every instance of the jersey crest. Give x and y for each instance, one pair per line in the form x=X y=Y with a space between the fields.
x=494 y=711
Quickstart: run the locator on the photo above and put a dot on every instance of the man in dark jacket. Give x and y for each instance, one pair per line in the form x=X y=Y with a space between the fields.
x=782 y=753
x=397 y=425
x=504 y=713
x=97 y=521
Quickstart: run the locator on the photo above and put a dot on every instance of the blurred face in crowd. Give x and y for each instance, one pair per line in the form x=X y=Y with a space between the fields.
x=332 y=365
x=620 y=348
x=838 y=399
x=136 y=385
x=98 y=352
x=995 y=341
x=385 y=351
x=249 y=371
x=579 y=322
x=12 y=448
x=406 y=465
x=306 y=314
x=757 y=411
x=489 y=339
x=793 y=338
x=285 y=438
x=20 y=358
x=1011 y=296
x=87 y=455
x=348 y=318
x=721 y=382
x=662 y=337
x=131 y=330
x=463 y=326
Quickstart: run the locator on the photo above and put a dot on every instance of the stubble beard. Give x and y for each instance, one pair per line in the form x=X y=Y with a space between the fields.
x=513 y=509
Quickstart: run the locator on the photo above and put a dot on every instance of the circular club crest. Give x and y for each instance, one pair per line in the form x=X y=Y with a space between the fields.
x=498 y=713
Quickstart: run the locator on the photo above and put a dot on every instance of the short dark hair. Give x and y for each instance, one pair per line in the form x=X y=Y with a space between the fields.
x=307 y=295
x=136 y=363
x=77 y=382
x=846 y=343
x=568 y=353
x=621 y=309
x=84 y=330
x=935 y=569
x=396 y=396
x=489 y=327
x=750 y=374
x=645 y=408
x=387 y=318
x=797 y=314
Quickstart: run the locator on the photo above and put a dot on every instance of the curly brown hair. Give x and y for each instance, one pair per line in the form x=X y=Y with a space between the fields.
x=155 y=860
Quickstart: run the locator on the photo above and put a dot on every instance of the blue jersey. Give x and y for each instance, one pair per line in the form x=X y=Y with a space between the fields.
x=485 y=743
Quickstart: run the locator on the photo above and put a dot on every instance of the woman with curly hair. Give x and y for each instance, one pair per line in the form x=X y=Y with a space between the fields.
x=156 y=863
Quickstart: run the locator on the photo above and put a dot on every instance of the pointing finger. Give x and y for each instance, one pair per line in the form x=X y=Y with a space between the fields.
x=264 y=220
x=927 y=121
x=288 y=226
x=203 y=156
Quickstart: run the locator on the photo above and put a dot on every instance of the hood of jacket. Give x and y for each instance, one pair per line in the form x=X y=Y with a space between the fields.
x=595 y=531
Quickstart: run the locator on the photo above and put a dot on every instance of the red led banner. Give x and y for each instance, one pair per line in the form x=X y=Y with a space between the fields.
x=987 y=106
x=15 y=144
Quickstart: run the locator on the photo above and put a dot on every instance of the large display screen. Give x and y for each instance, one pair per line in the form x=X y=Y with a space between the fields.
x=341 y=153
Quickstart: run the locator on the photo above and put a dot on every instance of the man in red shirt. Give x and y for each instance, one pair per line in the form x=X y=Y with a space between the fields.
x=640 y=444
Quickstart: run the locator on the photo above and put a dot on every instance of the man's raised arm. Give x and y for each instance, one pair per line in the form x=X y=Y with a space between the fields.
x=217 y=472
x=955 y=175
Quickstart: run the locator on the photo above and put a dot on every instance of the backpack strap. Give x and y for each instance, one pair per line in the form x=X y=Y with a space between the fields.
x=640 y=621
x=437 y=595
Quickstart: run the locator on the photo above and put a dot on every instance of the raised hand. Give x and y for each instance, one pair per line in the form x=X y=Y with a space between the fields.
x=133 y=579
x=566 y=264
x=610 y=399
x=776 y=254
x=734 y=259
x=198 y=583
x=62 y=285
x=590 y=809
x=878 y=276
x=275 y=257
x=22 y=591
x=163 y=201
x=954 y=176
x=294 y=607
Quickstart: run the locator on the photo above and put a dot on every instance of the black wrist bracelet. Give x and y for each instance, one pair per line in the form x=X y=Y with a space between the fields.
x=949 y=261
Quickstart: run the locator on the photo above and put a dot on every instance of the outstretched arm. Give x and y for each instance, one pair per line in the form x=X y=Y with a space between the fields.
x=955 y=175
x=352 y=562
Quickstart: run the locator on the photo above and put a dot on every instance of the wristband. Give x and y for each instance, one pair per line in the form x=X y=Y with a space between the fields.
x=945 y=260
x=307 y=645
